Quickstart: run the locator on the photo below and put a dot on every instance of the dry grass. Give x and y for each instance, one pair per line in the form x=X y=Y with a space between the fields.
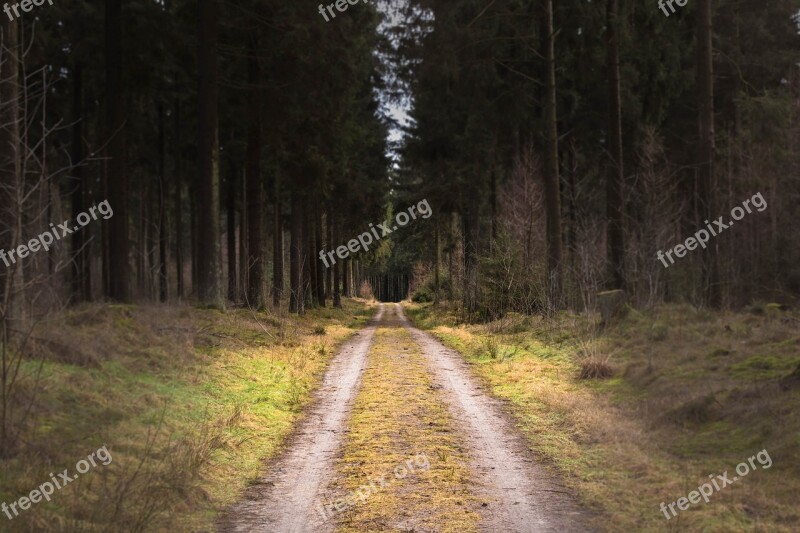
x=189 y=402
x=694 y=393
x=387 y=430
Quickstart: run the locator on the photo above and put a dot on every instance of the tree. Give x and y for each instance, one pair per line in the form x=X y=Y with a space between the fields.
x=551 y=179
x=705 y=147
x=615 y=176
x=210 y=286
x=116 y=177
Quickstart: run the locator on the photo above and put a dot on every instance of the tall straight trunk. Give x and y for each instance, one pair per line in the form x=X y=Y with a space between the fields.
x=705 y=146
x=437 y=260
x=319 y=280
x=255 y=187
x=493 y=206
x=244 y=235
x=233 y=277
x=310 y=265
x=470 y=222
x=141 y=256
x=151 y=215
x=551 y=181
x=210 y=288
x=296 y=257
x=346 y=277
x=328 y=247
x=337 y=298
x=194 y=231
x=615 y=174
x=163 y=292
x=277 y=248
x=11 y=193
x=81 y=261
x=116 y=176
x=178 y=201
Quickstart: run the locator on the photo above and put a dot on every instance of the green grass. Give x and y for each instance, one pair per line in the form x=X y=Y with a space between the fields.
x=189 y=402
x=693 y=393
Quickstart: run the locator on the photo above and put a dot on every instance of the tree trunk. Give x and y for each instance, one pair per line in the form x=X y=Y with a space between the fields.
x=163 y=292
x=11 y=193
x=210 y=290
x=178 y=201
x=81 y=260
x=255 y=188
x=328 y=247
x=437 y=261
x=320 y=274
x=233 y=276
x=337 y=298
x=277 y=249
x=297 y=296
x=705 y=147
x=615 y=176
x=551 y=181
x=346 y=277
x=116 y=175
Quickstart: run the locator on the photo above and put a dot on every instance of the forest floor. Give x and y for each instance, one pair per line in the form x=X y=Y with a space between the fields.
x=189 y=402
x=402 y=439
x=372 y=424
x=688 y=395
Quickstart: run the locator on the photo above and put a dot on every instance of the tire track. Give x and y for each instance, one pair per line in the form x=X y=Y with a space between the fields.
x=525 y=497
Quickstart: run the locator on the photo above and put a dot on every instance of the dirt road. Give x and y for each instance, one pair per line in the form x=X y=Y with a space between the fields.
x=402 y=394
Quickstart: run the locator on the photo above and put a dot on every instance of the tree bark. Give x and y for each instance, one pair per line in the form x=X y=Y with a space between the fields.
x=233 y=277
x=296 y=259
x=178 y=201
x=255 y=188
x=337 y=298
x=116 y=175
x=615 y=176
x=81 y=261
x=210 y=290
x=163 y=290
x=706 y=148
x=551 y=180
x=320 y=274
x=277 y=248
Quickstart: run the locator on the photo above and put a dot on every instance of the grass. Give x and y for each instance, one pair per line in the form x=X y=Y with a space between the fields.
x=387 y=431
x=189 y=402
x=690 y=393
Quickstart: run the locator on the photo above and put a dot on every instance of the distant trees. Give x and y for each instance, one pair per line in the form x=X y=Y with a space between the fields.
x=625 y=158
x=256 y=104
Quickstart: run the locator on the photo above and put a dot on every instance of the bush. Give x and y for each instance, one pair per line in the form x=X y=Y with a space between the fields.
x=422 y=295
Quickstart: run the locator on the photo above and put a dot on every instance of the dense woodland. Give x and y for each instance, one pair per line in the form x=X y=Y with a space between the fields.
x=560 y=145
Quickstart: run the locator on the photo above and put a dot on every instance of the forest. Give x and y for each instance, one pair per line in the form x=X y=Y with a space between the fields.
x=211 y=212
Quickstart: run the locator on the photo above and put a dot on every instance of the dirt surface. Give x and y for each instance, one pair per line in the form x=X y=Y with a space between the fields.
x=525 y=497
x=520 y=496
x=283 y=500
